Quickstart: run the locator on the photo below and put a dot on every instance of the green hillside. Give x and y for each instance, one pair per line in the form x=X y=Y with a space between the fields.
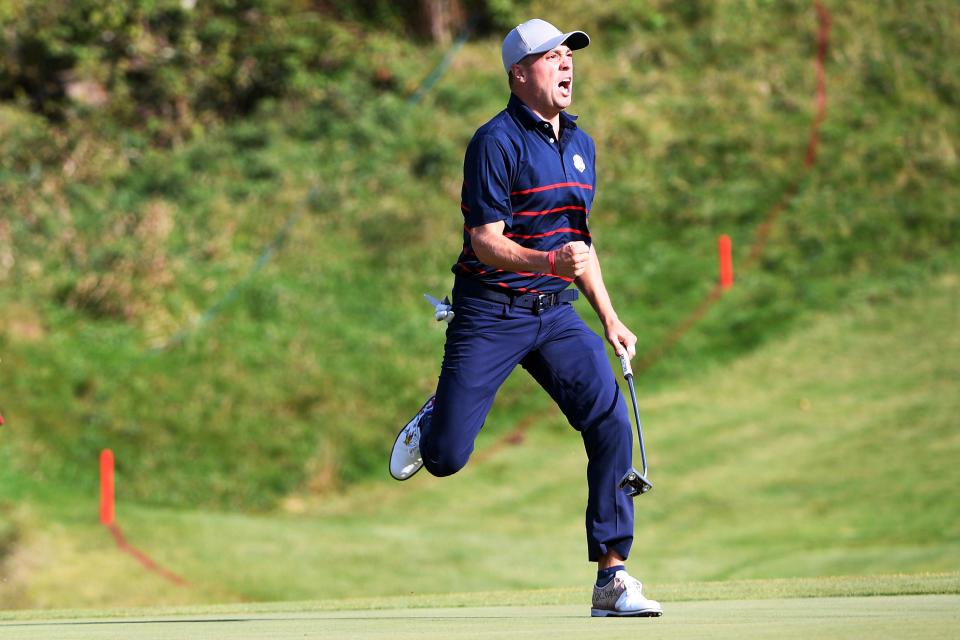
x=829 y=453
x=238 y=313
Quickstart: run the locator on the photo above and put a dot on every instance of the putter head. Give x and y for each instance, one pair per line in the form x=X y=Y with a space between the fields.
x=442 y=309
x=634 y=484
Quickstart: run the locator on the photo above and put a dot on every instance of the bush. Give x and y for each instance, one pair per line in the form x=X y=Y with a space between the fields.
x=158 y=64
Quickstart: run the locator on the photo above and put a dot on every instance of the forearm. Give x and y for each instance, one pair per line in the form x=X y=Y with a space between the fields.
x=496 y=250
x=590 y=282
x=595 y=291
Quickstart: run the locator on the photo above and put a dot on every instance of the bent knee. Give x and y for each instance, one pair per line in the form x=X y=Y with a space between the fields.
x=445 y=465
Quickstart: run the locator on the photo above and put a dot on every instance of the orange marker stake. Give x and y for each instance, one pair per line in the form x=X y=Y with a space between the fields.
x=107 y=510
x=725 y=248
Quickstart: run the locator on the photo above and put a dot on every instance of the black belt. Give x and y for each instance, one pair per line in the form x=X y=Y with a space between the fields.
x=536 y=302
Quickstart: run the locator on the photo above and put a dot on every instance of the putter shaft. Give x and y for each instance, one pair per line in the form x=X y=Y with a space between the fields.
x=628 y=375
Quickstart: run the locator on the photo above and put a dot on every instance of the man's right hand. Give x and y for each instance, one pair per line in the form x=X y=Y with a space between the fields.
x=572 y=259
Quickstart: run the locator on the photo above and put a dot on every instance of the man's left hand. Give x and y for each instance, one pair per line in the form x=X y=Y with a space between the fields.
x=621 y=338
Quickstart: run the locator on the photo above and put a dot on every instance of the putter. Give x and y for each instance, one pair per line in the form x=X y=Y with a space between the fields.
x=442 y=309
x=634 y=483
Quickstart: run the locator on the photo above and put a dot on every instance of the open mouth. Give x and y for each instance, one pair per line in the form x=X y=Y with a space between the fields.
x=565 y=86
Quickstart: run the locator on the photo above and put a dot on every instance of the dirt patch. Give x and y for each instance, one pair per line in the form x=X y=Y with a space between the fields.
x=21 y=323
x=12 y=595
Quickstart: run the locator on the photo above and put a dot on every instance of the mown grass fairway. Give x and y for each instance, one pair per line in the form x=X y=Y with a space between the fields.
x=831 y=453
x=922 y=617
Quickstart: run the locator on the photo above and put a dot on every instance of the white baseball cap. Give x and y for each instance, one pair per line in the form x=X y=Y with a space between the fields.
x=537 y=36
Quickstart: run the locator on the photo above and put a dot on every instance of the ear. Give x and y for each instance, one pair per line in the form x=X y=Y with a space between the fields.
x=517 y=72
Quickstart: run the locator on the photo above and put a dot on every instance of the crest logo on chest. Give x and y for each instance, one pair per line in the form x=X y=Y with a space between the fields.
x=579 y=163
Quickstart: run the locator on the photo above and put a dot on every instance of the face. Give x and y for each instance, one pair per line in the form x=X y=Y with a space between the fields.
x=547 y=82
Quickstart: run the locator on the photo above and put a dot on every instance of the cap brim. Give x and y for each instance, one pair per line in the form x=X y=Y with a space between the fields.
x=575 y=40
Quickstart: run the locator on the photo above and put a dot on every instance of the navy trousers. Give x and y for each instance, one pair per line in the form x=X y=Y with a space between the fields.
x=485 y=342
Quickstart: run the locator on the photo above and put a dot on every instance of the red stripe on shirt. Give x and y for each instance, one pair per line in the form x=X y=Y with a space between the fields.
x=480 y=272
x=572 y=207
x=527 y=274
x=548 y=187
x=548 y=233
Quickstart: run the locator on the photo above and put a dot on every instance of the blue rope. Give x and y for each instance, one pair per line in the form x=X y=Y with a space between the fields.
x=272 y=248
x=438 y=71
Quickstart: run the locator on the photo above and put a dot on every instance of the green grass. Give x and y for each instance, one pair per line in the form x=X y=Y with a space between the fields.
x=920 y=606
x=777 y=589
x=797 y=461
x=835 y=618
x=701 y=117
x=805 y=427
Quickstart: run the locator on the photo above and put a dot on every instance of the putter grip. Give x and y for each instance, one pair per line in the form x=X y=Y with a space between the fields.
x=625 y=364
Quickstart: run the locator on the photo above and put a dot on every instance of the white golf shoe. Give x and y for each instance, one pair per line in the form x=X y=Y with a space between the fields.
x=405 y=458
x=623 y=596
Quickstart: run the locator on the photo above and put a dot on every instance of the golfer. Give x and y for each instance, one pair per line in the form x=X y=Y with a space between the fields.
x=528 y=186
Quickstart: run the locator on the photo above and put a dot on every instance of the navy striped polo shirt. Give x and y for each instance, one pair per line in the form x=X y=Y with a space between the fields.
x=515 y=171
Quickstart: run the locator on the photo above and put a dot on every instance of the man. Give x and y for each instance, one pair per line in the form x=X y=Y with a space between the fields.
x=527 y=190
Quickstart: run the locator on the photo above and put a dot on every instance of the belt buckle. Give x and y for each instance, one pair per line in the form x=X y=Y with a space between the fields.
x=541 y=303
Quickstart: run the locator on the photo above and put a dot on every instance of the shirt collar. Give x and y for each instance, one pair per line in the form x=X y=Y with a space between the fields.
x=526 y=116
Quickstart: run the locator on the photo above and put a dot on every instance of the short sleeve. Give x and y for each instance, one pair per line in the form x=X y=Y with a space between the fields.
x=486 y=182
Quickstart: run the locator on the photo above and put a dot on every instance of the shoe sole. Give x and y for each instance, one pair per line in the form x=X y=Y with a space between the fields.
x=390 y=468
x=400 y=433
x=604 y=613
x=406 y=477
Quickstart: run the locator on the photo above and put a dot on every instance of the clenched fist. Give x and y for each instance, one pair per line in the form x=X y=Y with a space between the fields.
x=572 y=259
